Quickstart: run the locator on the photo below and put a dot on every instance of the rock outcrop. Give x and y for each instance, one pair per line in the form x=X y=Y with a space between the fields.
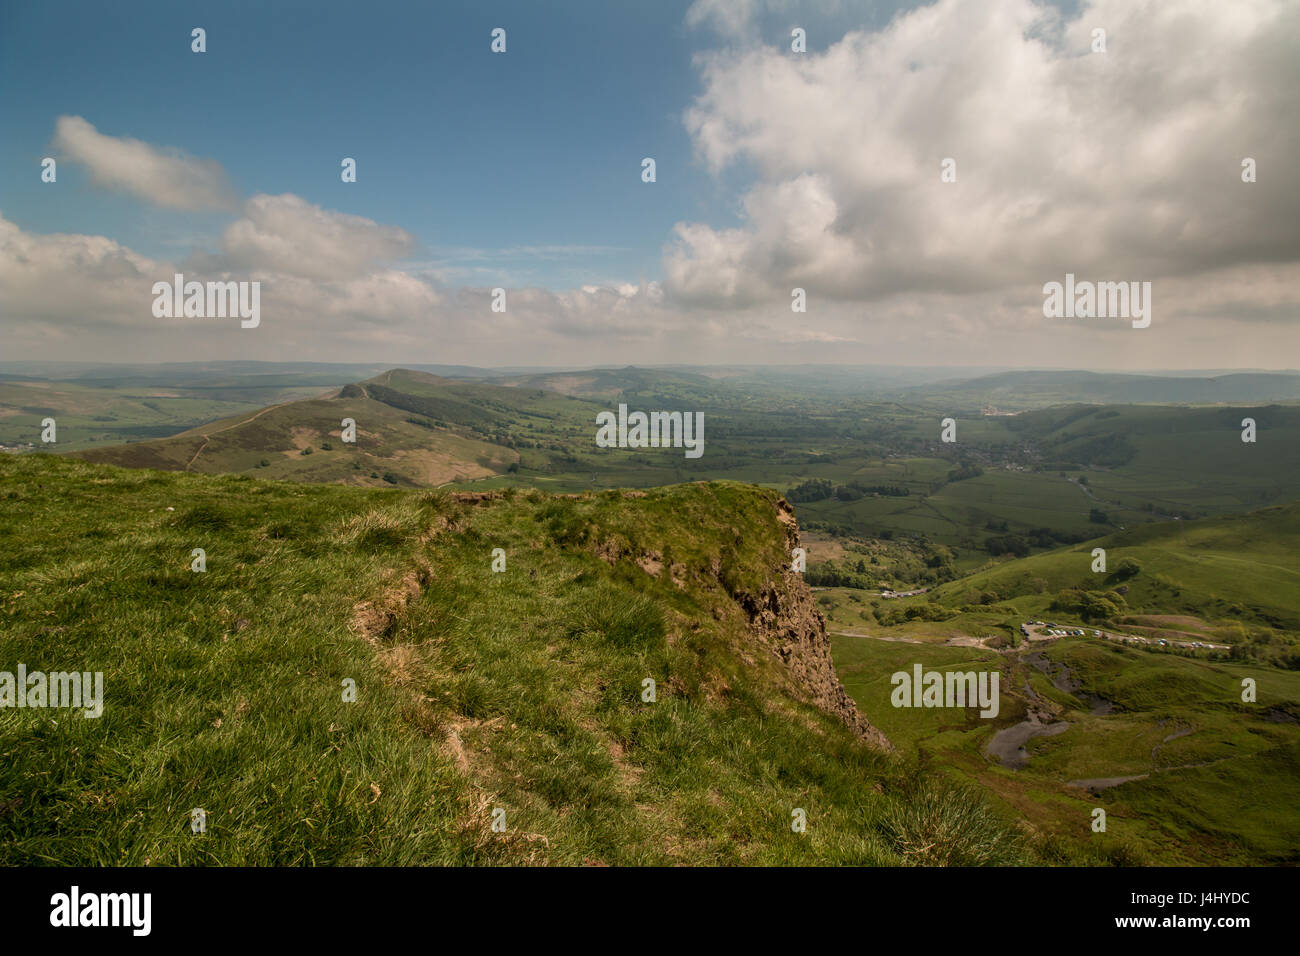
x=784 y=617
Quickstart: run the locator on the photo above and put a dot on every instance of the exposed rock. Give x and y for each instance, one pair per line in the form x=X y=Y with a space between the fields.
x=786 y=620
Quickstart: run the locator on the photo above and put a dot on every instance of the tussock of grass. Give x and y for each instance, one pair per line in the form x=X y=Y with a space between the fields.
x=609 y=614
x=381 y=529
x=951 y=826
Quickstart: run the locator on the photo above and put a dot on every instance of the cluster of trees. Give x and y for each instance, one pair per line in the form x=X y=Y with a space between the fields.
x=1021 y=545
x=1127 y=568
x=1168 y=513
x=1047 y=538
x=927 y=611
x=832 y=575
x=820 y=489
x=1092 y=606
x=965 y=471
x=1014 y=544
x=923 y=563
x=829 y=527
x=1269 y=647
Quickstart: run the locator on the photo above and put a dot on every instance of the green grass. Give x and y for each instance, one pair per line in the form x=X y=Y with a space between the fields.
x=866 y=665
x=1219 y=775
x=519 y=690
x=1236 y=570
x=96 y=415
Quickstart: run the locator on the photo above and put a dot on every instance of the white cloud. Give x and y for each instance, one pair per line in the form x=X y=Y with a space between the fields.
x=726 y=16
x=1124 y=164
x=289 y=235
x=166 y=177
x=68 y=281
x=88 y=297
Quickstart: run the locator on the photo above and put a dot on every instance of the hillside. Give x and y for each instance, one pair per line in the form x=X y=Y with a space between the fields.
x=100 y=405
x=475 y=690
x=412 y=429
x=1235 y=577
x=1187 y=773
x=1149 y=721
x=1017 y=390
x=1010 y=484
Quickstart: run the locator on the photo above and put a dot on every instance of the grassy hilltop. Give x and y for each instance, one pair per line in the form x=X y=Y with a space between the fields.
x=1233 y=579
x=475 y=690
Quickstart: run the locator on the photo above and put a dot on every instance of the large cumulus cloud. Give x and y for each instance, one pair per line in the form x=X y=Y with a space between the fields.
x=1125 y=164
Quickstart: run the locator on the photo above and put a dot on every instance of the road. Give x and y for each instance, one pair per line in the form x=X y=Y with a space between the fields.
x=1036 y=633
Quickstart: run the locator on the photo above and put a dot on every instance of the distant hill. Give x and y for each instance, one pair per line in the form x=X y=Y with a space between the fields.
x=605 y=383
x=416 y=428
x=1017 y=390
x=412 y=428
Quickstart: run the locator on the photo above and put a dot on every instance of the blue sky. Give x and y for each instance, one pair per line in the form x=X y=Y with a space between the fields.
x=777 y=170
x=467 y=150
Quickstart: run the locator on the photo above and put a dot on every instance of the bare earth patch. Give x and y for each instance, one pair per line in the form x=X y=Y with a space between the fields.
x=433 y=468
x=302 y=438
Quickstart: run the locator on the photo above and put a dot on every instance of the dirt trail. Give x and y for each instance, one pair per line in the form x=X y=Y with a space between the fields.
x=208 y=437
x=876 y=637
x=1174 y=736
x=1097 y=784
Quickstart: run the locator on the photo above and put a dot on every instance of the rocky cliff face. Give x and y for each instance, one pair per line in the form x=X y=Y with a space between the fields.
x=784 y=618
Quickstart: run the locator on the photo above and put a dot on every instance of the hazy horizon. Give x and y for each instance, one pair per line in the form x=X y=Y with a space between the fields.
x=510 y=369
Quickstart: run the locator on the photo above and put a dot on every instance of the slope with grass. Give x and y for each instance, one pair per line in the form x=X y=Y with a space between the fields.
x=302 y=441
x=1187 y=772
x=103 y=405
x=1191 y=751
x=522 y=690
x=1022 y=389
x=1227 y=577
